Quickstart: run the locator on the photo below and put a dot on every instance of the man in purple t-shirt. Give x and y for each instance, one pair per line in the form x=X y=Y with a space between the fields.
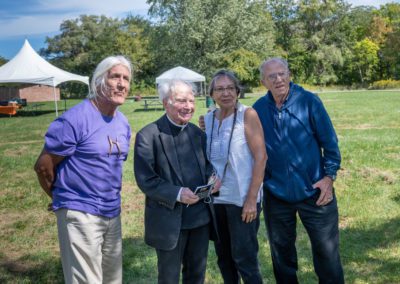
x=80 y=168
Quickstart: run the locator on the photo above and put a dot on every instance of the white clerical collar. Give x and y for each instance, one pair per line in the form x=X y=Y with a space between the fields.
x=177 y=125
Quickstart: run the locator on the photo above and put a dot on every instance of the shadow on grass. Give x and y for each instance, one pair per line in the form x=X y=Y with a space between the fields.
x=31 y=268
x=361 y=247
x=359 y=250
x=396 y=198
x=367 y=252
x=35 y=113
x=148 y=109
x=139 y=261
x=139 y=265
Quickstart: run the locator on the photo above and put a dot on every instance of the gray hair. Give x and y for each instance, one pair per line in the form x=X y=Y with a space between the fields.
x=278 y=60
x=224 y=73
x=98 y=83
x=167 y=88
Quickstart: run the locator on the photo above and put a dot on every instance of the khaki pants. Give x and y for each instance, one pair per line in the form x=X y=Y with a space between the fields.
x=90 y=246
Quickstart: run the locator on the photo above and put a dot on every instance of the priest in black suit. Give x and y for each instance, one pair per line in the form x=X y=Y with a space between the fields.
x=169 y=163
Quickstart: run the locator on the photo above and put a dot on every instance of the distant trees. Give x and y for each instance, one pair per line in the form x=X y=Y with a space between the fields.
x=326 y=42
x=207 y=35
x=2 y=60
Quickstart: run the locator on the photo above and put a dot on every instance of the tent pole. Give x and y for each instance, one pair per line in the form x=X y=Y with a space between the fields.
x=55 y=100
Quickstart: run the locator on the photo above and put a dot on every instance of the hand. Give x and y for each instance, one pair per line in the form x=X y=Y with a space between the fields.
x=188 y=197
x=202 y=124
x=249 y=212
x=326 y=186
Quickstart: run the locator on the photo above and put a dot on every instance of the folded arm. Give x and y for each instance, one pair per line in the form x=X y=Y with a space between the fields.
x=45 y=167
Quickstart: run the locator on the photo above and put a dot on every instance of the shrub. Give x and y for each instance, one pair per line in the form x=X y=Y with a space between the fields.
x=384 y=84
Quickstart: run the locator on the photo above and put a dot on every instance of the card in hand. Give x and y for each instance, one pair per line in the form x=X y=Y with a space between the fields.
x=203 y=191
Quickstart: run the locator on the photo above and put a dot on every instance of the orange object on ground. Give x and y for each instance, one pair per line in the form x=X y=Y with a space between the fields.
x=11 y=110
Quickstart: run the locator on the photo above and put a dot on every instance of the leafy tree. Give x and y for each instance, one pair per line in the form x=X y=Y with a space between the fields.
x=325 y=38
x=391 y=54
x=133 y=41
x=379 y=28
x=82 y=43
x=245 y=65
x=390 y=48
x=359 y=22
x=205 y=34
x=85 y=41
x=366 y=57
x=284 y=15
x=289 y=35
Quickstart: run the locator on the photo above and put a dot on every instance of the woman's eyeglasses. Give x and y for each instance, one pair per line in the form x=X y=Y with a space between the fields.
x=221 y=90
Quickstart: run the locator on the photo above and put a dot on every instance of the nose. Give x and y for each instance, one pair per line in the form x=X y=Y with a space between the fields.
x=121 y=83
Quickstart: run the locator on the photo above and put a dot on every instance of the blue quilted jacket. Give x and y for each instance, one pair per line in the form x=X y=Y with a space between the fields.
x=301 y=143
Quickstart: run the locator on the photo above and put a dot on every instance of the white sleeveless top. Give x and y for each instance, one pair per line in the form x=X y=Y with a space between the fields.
x=236 y=182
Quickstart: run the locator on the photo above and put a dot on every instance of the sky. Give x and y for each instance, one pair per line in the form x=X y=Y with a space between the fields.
x=37 y=19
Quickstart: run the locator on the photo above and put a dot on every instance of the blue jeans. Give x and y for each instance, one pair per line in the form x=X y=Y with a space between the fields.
x=321 y=224
x=237 y=247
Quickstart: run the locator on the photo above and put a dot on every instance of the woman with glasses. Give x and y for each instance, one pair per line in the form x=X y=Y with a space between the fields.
x=235 y=147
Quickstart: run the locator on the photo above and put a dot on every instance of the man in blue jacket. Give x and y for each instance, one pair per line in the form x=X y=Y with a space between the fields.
x=303 y=158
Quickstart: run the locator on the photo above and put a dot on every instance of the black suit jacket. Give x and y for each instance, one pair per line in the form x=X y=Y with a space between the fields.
x=157 y=174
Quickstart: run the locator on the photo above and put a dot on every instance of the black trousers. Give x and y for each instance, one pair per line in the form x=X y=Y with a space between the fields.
x=237 y=248
x=321 y=224
x=190 y=253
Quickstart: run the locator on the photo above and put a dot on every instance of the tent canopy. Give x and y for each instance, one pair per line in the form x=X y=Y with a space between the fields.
x=28 y=67
x=184 y=74
x=181 y=73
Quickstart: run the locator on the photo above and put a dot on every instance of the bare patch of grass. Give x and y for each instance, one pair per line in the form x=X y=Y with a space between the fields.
x=386 y=176
x=20 y=151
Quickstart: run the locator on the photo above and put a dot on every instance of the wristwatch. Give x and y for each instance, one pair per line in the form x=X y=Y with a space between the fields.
x=332 y=177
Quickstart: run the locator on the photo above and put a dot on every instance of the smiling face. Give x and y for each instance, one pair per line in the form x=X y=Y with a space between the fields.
x=225 y=93
x=117 y=85
x=276 y=79
x=180 y=104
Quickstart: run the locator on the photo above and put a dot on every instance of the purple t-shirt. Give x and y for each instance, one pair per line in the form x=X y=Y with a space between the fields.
x=89 y=178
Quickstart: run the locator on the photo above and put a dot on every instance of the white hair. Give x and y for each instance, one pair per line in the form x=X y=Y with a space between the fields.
x=167 y=88
x=279 y=60
x=98 y=83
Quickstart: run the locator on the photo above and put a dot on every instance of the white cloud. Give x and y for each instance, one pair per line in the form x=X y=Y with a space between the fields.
x=109 y=7
x=375 y=3
x=51 y=13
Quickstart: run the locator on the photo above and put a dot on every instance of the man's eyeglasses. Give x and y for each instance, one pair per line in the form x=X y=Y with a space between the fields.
x=220 y=90
x=111 y=142
x=274 y=76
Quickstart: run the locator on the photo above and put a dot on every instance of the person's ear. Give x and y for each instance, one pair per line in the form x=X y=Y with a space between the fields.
x=165 y=102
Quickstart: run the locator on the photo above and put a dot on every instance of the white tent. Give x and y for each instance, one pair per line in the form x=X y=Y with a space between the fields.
x=28 y=67
x=182 y=73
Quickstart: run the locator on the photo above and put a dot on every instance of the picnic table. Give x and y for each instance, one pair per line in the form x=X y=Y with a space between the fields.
x=151 y=102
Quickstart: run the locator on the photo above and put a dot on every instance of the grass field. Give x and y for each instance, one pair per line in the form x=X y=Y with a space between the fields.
x=367 y=188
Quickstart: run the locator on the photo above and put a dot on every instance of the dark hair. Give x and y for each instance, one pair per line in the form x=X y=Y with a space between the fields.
x=224 y=73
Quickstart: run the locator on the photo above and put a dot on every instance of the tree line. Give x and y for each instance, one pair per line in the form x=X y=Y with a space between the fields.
x=325 y=42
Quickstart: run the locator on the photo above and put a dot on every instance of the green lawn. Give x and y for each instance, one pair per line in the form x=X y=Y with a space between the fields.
x=368 y=191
